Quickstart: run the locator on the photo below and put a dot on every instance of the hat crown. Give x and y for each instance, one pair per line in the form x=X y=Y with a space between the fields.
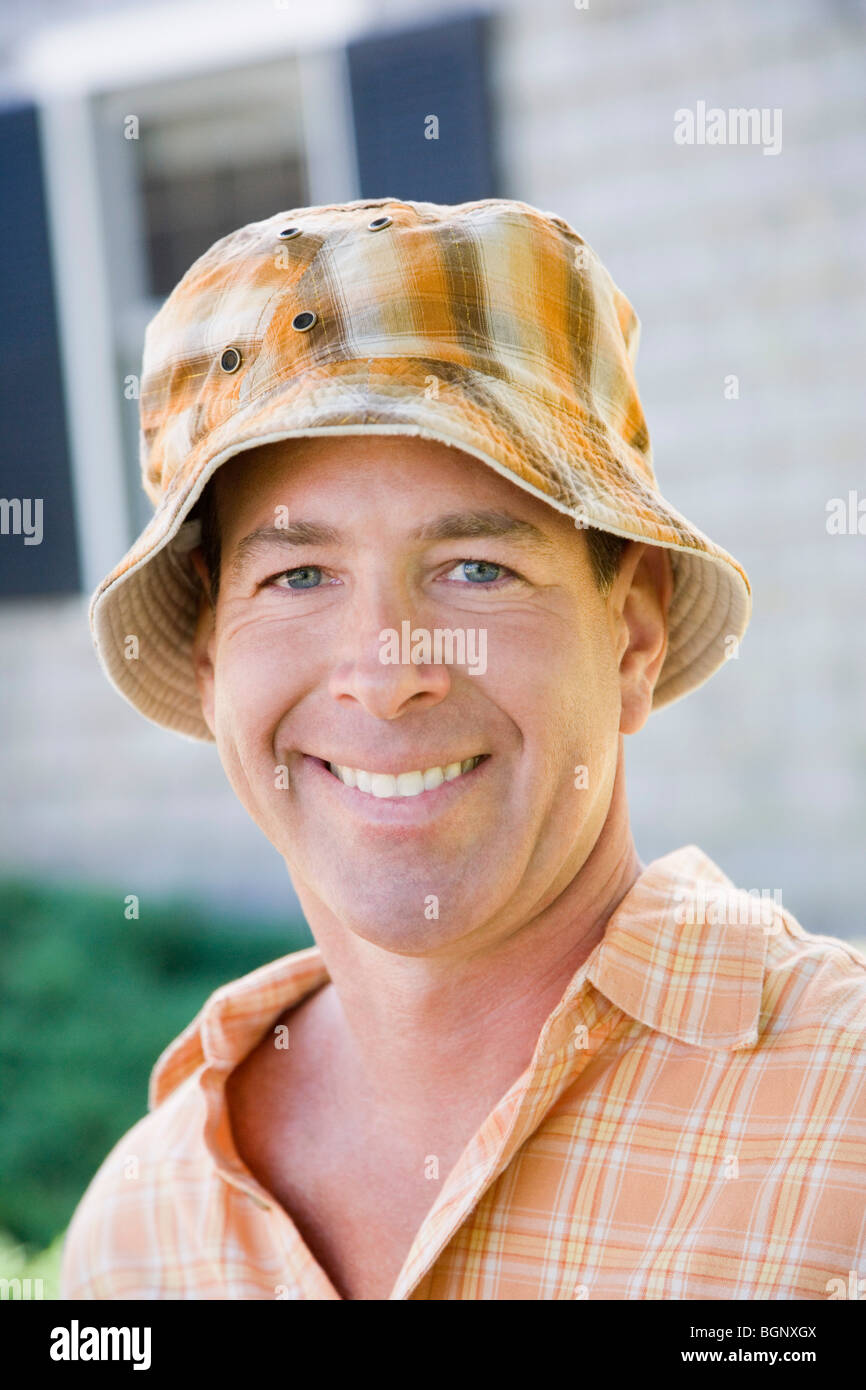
x=495 y=288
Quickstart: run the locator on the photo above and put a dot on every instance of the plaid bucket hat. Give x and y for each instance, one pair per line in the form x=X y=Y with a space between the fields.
x=490 y=326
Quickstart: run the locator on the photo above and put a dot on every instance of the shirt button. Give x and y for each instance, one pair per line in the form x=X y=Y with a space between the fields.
x=304 y=320
x=378 y=223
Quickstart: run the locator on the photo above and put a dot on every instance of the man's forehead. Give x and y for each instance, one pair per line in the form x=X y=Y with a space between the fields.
x=317 y=454
x=469 y=499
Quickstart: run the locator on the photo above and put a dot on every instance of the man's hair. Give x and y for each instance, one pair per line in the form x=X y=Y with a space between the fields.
x=605 y=549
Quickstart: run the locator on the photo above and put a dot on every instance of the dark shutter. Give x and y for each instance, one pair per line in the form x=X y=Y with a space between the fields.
x=400 y=77
x=34 y=453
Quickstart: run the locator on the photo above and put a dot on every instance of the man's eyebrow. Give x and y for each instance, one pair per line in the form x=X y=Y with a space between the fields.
x=466 y=525
x=456 y=526
x=295 y=533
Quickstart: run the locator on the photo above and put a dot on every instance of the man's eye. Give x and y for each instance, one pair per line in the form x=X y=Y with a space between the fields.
x=481 y=572
x=304 y=577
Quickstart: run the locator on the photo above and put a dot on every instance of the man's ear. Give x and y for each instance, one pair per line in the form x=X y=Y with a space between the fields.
x=202 y=642
x=640 y=599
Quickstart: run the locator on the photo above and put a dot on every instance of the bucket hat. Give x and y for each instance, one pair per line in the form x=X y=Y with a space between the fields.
x=490 y=326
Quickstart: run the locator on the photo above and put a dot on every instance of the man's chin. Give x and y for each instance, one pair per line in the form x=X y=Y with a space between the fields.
x=427 y=918
x=399 y=937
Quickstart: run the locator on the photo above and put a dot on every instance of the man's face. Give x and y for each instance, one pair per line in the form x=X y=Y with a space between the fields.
x=357 y=537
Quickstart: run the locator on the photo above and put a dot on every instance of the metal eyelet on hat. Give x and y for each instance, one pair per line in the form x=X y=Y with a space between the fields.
x=230 y=360
x=289 y=232
x=304 y=320
x=378 y=223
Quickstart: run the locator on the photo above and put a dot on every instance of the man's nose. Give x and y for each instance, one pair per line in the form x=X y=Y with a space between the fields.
x=374 y=667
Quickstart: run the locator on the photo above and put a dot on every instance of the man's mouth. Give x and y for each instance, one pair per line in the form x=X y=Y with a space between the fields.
x=397 y=784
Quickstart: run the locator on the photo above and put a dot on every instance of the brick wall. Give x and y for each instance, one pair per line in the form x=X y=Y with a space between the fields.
x=97 y=795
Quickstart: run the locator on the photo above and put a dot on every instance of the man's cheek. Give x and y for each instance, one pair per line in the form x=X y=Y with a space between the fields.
x=243 y=747
x=247 y=692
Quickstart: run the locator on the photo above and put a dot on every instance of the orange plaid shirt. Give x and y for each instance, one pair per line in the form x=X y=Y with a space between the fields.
x=692 y=1125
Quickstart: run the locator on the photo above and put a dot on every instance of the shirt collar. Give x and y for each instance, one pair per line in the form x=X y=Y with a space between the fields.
x=675 y=956
x=683 y=953
x=235 y=1017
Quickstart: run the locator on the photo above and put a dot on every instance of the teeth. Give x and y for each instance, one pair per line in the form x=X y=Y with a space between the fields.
x=386 y=784
x=383 y=784
x=410 y=783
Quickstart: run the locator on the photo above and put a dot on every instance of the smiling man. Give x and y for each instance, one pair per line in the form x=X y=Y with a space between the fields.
x=517 y=1063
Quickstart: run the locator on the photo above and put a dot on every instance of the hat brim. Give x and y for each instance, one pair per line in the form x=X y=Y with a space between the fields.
x=587 y=473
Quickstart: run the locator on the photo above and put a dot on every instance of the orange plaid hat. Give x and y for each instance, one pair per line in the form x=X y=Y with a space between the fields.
x=490 y=326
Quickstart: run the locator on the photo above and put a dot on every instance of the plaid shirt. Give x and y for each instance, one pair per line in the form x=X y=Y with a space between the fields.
x=692 y=1125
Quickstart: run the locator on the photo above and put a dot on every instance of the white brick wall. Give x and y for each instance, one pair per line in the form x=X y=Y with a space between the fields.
x=96 y=795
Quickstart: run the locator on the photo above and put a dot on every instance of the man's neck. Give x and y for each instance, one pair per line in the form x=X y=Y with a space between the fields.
x=425 y=1051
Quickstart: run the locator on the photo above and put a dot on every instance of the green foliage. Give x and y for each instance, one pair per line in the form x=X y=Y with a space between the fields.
x=88 y=1000
x=39 y=1272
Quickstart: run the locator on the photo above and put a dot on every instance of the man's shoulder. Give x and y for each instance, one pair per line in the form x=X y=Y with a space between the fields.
x=815 y=981
x=113 y=1225
x=810 y=982
x=161 y=1170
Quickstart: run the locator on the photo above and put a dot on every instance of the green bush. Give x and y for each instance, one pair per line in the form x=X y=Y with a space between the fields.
x=38 y=1272
x=88 y=1000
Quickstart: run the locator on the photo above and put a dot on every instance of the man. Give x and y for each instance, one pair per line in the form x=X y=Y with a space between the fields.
x=411 y=572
